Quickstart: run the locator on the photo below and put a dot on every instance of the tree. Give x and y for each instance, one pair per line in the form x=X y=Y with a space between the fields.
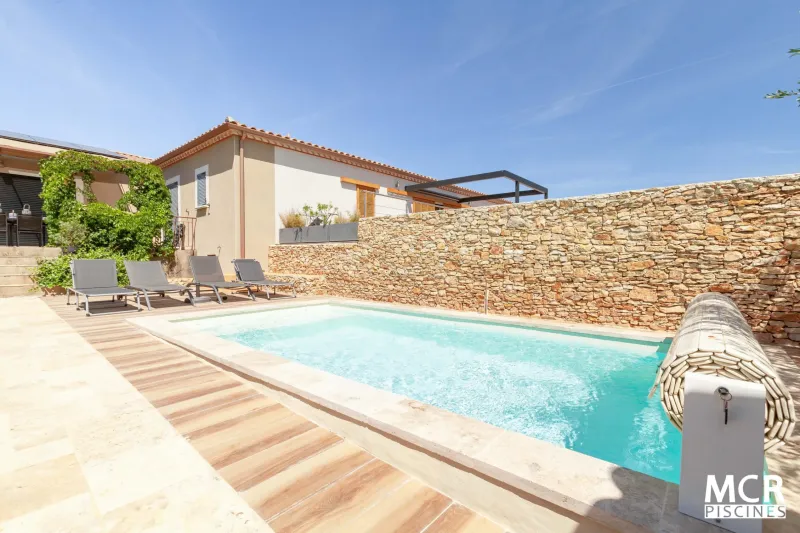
x=781 y=93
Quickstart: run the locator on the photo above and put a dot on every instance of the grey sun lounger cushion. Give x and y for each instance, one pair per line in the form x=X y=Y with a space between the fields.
x=148 y=277
x=225 y=284
x=207 y=272
x=106 y=291
x=95 y=277
x=250 y=271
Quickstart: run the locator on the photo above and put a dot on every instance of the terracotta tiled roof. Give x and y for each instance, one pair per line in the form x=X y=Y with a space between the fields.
x=217 y=133
x=134 y=157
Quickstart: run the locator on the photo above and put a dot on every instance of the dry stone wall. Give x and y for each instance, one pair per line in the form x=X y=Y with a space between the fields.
x=630 y=259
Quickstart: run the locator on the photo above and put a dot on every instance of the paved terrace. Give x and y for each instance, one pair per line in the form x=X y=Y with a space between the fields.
x=106 y=428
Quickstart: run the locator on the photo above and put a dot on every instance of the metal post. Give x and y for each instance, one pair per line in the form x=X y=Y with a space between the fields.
x=516 y=192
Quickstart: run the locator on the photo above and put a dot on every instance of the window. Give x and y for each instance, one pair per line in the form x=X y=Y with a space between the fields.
x=201 y=186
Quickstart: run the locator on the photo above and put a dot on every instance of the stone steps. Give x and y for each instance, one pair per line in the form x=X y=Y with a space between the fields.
x=28 y=251
x=14 y=279
x=16 y=264
x=10 y=270
x=7 y=291
x=18 y=261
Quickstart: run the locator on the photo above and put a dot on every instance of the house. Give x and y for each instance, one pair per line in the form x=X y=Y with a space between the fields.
x=230 y=185
x=20 y=182
x=233 y=182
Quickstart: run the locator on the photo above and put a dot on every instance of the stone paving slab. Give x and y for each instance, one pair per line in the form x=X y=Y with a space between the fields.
x=81 y=450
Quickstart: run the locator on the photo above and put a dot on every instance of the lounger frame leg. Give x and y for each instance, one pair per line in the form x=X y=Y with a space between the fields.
x=147 y=299
x=219 y=298
x=86 y=304
x=191 y=298
x=294 y=292
x=68 y=291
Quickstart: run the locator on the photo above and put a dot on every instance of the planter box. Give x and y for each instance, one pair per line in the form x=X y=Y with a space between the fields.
x=315 y=234
x=343 y=232
x=312 y=234
x=290 y=235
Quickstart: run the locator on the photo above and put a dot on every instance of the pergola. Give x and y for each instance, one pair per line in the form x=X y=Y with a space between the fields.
x=533 y=188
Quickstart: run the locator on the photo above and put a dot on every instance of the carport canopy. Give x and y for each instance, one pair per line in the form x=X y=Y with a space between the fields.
x=533 y=189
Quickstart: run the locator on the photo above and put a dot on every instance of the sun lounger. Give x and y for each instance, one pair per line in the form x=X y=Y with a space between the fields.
x=148 y=277
x=207 y=272
x=96 y=278
x=249 y=271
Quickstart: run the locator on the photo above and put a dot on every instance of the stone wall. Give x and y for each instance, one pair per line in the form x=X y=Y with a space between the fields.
x=629 y=259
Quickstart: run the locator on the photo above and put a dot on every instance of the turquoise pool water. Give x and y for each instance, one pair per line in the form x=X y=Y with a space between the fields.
x=588 y=394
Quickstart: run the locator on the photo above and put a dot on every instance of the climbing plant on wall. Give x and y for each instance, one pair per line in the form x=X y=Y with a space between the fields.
x=138 y=227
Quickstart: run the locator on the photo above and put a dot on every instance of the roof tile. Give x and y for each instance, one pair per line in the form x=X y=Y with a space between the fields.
x=423 y=178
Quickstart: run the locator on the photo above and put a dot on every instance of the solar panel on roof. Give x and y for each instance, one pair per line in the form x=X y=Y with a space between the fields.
x=59 y=144
x=17 y=136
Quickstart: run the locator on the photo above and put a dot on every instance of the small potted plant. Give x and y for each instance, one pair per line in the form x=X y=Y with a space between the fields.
x=319 y=218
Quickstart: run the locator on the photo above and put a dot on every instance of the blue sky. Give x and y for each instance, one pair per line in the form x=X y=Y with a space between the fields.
x=581 y=96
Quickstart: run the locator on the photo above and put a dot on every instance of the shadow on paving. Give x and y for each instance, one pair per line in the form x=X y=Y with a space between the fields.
x=99 y=307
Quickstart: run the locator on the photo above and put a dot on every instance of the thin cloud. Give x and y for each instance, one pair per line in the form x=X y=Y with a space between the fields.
x=645 y=37
x=575 y=102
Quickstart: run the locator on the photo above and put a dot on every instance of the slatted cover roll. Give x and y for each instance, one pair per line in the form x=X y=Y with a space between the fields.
x=714 y=338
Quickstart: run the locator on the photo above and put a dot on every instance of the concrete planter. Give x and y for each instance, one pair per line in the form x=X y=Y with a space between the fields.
x=290 y=235
x=315 y=234
x=343 y=232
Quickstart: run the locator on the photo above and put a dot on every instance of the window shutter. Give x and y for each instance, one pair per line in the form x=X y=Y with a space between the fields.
x=16 y=191
x=202 y=198
x=173 y=198
x=422 y=207
x=365 y=202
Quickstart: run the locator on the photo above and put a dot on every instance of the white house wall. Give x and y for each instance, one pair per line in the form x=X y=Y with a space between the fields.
x=302 y=179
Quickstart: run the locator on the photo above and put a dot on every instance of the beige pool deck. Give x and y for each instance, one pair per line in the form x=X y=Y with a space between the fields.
x=105 y=427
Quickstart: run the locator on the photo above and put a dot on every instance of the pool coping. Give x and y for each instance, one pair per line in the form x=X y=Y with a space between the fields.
x=605 y=492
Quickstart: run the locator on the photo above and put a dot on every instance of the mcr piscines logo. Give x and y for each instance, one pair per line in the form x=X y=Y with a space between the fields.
x=719 y=501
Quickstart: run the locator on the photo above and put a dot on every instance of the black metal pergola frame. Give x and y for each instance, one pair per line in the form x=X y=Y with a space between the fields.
x=534 y=188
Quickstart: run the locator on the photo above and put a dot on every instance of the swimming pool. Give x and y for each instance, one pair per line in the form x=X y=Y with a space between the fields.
x=586 y=393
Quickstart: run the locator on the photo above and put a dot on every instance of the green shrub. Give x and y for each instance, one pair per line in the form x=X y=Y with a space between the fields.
x=138 y=228
x=70 y=234
x=55 y=272
x=140 y=223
